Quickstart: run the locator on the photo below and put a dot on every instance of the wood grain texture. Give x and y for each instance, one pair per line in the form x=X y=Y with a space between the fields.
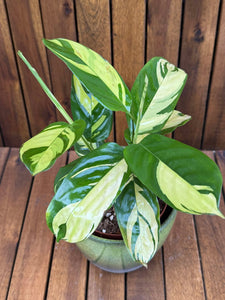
x=61 y=14
x=4 y=152
x=13 y=121
x=32 y=262
x=93 y=22
x=220 y=156
x=210 y=230
x=214 y=135
x=128 y=27
x=105 y=285
x=68 y=273
x=27 y=32
x=69 y=269
x=14 y=191
x=182 y=264
x=199 y=29
x=163 y=29
x=147 y=283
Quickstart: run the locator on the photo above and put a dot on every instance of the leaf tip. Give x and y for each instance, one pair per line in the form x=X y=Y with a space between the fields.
x=61 y=233
x=144 y=264
x=219 y=214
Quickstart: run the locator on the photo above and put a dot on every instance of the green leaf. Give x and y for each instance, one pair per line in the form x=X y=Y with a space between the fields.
x=180 y=175
x=41 y=151
x=138 y=216
x=156 y=91
x=86 y=192
x=62 y=173
x=85 y=106
x=61 y=233
x=94 y=72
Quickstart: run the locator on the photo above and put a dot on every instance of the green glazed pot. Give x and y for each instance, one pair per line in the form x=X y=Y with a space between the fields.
x=112 y=255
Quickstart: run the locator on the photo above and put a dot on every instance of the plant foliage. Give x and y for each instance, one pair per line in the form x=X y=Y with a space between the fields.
x=131 y=178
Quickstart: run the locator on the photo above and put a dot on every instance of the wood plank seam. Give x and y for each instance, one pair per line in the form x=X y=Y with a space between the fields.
x=216 y=160
x=146 y=32
x=87 y=279
x=200 y=258
x=210 y=231
x=196 y=59
x=17 y=67
x=49 y=267
x=181 y=32
x=75 y=20
x=125 y=286
x=211 y=74
x=112 y=62
x=52 y=249
x=17 y=74
x=20 y=234
x=163 y=271
x=4 y=165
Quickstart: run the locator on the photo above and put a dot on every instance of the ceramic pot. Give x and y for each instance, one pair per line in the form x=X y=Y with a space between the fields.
x=112 y=255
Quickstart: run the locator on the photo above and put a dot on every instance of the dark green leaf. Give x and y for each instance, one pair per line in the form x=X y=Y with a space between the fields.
x=180 y=175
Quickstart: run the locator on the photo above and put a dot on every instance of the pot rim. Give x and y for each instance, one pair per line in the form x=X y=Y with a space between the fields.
x=117 y=238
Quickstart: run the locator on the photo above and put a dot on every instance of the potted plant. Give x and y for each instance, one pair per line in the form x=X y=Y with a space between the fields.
x=130 y=179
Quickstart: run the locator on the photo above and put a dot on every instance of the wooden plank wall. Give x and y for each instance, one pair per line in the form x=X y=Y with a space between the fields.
x=189 y=33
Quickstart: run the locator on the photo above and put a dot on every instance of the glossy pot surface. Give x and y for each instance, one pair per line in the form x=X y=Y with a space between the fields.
x=112 y=255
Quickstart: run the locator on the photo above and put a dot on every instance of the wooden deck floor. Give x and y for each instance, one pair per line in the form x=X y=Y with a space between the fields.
x=191 y=264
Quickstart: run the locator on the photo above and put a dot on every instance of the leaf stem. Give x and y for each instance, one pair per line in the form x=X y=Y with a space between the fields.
x=89 y=145
x=52 y=97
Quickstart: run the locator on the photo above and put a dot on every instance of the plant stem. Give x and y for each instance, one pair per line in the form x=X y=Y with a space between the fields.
x=52 y=97
x=140 y=110
x=46 y=89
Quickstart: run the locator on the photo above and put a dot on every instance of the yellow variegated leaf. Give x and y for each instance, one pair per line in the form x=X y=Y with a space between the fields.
x=186 y=197
x=85 y=106
x=155 y=92
x=175 y=120
x=170 y=86
x=94 y=72
x=40 y=152
x=85 y=192
x=137 y=213
x=82 y=218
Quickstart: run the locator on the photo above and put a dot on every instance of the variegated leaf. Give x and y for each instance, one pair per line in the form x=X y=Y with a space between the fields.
x=137 y=212
x=85 y=106
x=180 y=175
x=41 y=151
x=63 y=172
x=177 y=119
x=94 y=72
x=81 y=148
x=86 y=192
x=157 y=89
